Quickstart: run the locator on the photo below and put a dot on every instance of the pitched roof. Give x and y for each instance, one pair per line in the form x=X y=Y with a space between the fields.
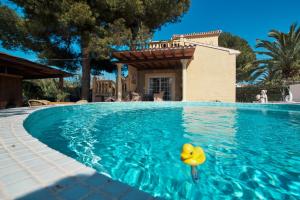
x=230 y=51
x=196 y=35
x=27 y=69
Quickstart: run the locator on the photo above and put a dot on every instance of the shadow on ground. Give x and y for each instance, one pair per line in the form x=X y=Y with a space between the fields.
x=14 y=111
x=87 y=187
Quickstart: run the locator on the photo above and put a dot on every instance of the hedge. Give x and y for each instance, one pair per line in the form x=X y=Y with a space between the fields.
x=248 y=93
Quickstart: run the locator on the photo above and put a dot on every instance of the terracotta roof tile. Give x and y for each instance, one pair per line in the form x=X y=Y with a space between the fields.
x=200 y=34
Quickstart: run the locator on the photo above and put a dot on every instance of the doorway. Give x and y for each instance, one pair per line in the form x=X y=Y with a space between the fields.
x=159 y=84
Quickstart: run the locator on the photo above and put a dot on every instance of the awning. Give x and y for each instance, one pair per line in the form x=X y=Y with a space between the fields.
x=155 y=58
x=12 y=65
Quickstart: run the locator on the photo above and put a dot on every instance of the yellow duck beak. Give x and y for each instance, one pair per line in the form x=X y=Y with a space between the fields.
x=191 y=155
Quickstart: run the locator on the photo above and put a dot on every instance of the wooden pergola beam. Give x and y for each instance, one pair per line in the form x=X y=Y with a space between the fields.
x=124 y=55
x=150 y=55
x=133 y=55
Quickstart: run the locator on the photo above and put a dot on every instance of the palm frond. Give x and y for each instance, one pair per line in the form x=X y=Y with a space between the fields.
x=283 y=55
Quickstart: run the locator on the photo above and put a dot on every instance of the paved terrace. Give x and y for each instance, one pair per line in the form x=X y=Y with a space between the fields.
x=31 y=170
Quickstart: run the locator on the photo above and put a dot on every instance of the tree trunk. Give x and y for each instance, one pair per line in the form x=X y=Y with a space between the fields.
x=86 y=71
x=135 y=30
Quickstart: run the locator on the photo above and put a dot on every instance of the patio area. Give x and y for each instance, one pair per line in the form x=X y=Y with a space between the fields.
x=31 y=170
x=188 y=67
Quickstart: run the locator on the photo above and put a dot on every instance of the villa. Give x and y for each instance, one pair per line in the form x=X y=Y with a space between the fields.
x=188 y=67
x=132 y=150
x=92 y=107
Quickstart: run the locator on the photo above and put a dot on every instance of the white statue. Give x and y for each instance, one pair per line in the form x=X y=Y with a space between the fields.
x=263 y=96
x=289 y=97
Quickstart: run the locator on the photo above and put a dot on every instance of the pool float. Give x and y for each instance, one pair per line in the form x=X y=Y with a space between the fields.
x=192 y=156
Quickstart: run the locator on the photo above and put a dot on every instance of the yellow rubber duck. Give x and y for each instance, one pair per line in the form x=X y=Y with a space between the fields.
x=192 y=156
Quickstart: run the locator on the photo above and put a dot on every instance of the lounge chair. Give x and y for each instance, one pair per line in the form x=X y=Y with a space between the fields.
x=83 y=101
x=36 y=102
x=135 y=96
x=158 y=96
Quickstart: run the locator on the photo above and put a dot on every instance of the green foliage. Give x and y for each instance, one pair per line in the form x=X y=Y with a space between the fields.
x=43 y=89
x=80 y=30
x=31 y=90
x=51 y=89
x=245 y=60
x=72 y=87
x=12 y=28
x=248 y=93
x=282 y=52
x=53 y=28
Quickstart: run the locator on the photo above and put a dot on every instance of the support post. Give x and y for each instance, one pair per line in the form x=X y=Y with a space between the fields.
x=184 y=63
x=119 y=82
x=94 y=88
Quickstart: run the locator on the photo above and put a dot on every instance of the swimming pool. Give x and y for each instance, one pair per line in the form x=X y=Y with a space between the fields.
x=252 y=151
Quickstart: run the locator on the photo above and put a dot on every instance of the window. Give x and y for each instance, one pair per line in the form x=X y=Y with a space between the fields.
x=159 y=84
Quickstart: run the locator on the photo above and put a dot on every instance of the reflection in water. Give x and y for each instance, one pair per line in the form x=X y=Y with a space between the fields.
x=203 y=124
x=251 y=153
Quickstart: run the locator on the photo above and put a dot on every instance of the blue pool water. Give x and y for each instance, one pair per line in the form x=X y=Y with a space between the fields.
x=253 y=151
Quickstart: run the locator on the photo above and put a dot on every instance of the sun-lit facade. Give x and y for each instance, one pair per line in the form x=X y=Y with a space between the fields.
x=189 y=67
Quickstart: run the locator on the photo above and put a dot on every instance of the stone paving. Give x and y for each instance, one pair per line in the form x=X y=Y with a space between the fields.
x=31 y=170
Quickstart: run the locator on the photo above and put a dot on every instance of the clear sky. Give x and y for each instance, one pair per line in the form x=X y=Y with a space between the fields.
x=250 y=19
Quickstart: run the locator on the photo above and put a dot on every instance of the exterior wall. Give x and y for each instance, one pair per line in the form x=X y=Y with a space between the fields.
x=211 y=76
x=10 y=91
x=295 y=89
x=176 y=74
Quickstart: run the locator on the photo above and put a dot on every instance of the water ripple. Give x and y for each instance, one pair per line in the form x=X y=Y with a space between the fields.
x=252 y=152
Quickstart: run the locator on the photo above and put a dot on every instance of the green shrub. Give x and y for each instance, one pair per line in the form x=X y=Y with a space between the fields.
x=248 y=93
x=31 y=90
x=47 y=89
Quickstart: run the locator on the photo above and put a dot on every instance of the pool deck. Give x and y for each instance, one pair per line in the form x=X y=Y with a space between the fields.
x=31 y=170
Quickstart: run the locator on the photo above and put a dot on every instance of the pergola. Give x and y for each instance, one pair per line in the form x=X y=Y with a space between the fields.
x=14 y=69
x=160 y=58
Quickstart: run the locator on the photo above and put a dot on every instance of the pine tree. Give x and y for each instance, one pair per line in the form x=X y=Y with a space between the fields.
x=245 y=61
x=72 y=34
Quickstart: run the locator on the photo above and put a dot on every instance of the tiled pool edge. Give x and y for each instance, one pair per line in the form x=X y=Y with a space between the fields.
x=30 y=169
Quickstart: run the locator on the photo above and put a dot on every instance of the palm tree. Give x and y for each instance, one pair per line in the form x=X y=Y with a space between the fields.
x=282 y=56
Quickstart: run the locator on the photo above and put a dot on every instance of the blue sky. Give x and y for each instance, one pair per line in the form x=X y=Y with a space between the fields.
x=250 y=19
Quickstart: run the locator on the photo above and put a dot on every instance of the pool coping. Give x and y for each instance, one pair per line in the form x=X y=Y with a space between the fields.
x=30 y=169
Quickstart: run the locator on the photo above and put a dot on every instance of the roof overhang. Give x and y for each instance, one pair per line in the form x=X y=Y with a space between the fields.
x=230 y=51
x=155 y=58
x=27 y=69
